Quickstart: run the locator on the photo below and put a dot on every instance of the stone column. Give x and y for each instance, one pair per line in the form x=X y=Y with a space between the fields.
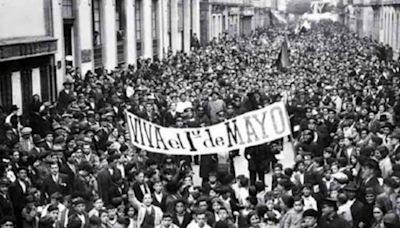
x=186 y=25
x=165 y=21
x=174 y=26
x=196 y=17
x=109 y=34
x=83 y=36
x=160 y=28
x=147 y=36
x=130 y=33
x=58 y=32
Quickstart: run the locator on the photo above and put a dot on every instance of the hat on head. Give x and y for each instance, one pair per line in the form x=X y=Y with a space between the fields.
x=351 y=187
x=37 y=139
x=78 y=200
x=396 y=134
x=26 y=131
x=330 y=203
x=310 y=213
x=4 y=182
x=56 y=196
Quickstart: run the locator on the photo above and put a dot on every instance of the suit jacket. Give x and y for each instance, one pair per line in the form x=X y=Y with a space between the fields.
x=17 y=196
x=65 y=169
x=334 y=222
x=104 y=182
x=49 y=186
x=138 y=191
x=161 y=204
x=64 y=99
x=357 y=213
x=187 y=218
x=6 y=207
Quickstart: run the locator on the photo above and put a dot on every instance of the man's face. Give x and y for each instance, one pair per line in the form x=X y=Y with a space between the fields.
x=147 y=200
x=49 y=137
x=212 y=179
x=87 y=149
x=158 y=187
x=203 y=205
x=201 y=219
x=223 y=214
x=167 y=221
x=54 y=169
x=80 y=208
x=327 y=210
x=54 y=215
x=22 y=174
x=140 y=177
x=310 y=221
x=351 y=195
x=179 y=208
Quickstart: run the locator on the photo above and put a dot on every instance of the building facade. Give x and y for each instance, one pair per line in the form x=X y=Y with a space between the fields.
x=377 y=19
x=235 y=17
x=50 y=36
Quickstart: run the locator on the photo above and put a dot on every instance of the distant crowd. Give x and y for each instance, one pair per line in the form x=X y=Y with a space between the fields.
x=70 y=164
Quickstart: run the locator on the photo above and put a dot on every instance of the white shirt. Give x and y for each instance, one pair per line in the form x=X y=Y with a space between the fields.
x=158 y=196
x=181 y=106
x=23 y=185
x=82 y=218
x=310 y=203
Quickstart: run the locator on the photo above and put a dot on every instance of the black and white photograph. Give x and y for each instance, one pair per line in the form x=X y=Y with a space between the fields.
x=199 y=113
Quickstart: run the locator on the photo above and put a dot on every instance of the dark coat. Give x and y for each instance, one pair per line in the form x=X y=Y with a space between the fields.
x=333 y=222
x=208 y=164
x=6 y=207
x=138 y=191
x=104 y=181
x=187 y=218
x=65 y=169
x=162 y=204
x=64 y=99
x=357 y=213
x=74 y=221
x=258 y=157
x=49 y=186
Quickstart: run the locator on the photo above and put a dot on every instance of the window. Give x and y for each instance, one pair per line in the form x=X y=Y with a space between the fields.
x=96 y=16
x=67 y=9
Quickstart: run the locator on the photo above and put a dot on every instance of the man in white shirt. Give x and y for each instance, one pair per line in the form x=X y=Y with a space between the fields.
x=183 y=104
x=199 y=221
x=309 y=201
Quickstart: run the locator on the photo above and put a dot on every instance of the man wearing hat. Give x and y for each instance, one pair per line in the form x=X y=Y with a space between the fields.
x=7 y=222
x=356 y=206
x=330 y=218
x=79 y=217
x=395 y=142
x=369 y=168
x=66 y=96
x=310 y=219
x=18 y=190
x=26 y=143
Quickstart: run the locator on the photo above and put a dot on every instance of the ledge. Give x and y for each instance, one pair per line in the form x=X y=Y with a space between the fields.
x=26 y=47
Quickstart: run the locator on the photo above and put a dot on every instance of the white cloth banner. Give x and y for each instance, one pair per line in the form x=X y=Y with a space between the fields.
x=252 y=128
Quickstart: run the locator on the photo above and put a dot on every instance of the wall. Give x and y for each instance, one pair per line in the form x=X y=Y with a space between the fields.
x=28 y=15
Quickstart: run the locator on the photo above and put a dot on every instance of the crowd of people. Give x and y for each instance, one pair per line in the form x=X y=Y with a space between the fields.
x=70 y=163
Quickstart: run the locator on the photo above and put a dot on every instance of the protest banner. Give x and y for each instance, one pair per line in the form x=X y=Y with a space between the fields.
x=249 y=129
